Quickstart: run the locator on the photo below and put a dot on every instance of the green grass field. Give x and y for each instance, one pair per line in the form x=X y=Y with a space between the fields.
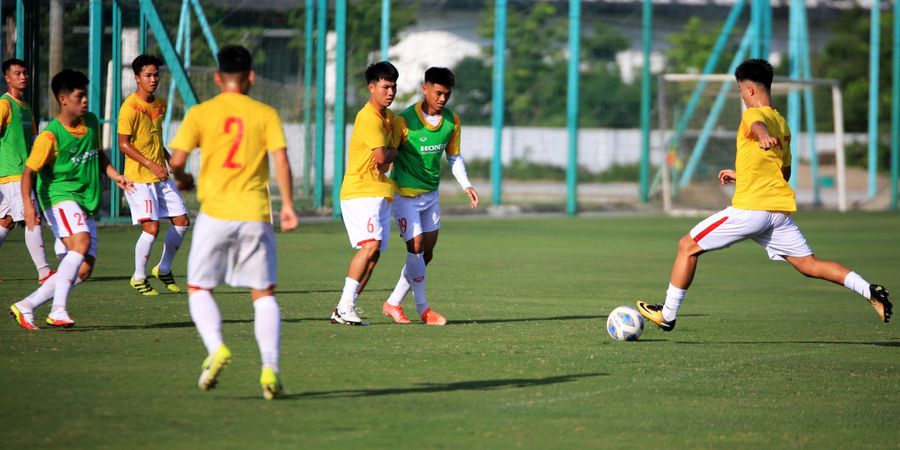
x=762 y=357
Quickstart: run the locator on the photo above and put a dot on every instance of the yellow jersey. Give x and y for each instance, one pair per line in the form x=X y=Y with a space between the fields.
x=142 y=122
x=235 y=134
x=371 y=130
x=760 y=184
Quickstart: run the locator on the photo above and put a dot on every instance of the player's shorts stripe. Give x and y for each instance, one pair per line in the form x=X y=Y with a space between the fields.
x=360 y=243
x=145 y=219
x=709 y=229
x=62 y=215
x=199 y=288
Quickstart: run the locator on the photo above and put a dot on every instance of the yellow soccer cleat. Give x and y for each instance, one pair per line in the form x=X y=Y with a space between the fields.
x=25 y=319
x=653 y=313
x=166 y=278
x=271 y=385
x=143 y=286
x=212 y=365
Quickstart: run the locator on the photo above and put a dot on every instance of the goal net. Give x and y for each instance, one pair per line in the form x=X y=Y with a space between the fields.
x=699 y=116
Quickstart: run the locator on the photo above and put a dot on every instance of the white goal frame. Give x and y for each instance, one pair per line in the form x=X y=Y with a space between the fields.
x=778 y=83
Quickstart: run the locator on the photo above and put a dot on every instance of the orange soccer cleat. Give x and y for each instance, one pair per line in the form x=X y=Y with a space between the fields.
x=432 y=318
x=395 y=312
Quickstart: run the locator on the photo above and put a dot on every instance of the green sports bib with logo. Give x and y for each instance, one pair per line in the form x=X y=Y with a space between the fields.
x=75 y=173
x=418 y=163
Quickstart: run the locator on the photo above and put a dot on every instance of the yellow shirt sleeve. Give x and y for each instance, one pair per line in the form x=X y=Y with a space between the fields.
x=42 y=152
x=274 y=133
x=400 y=131
x=751 y=116
x=372 y=132
x=188 y=136
x=127 y=119
x=453 y=145
x=5 y=116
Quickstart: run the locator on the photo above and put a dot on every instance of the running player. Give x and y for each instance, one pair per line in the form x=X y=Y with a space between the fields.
x=425 y=131
x=366 y=191
x=155 y=195
x=68 y=162
x=233 y=240
x=761 y=208
x=17 y=130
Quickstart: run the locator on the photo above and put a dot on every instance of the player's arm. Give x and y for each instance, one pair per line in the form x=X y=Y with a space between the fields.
x=128 y=148
x=727 y=176
x=458 y=166
x=124 y=183
x=42 y=153
x=285 y=186
x=761 y=132
x=177 y=163
x=384 y=156
x=5 y=115
x=31 y=217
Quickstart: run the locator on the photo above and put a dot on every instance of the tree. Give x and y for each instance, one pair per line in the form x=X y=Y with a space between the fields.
x=690 y=48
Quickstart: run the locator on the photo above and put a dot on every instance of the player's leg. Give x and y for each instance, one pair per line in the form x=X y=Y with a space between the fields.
x=788 y=243
x=33 y=240
x=368 y=223
x=6 y=225
x=170 y=205
x=144 y=212
x=430 y=217
x=207 y=265
x=267 y=328
x=6 y=221
x=79 y=235
x=406 y=214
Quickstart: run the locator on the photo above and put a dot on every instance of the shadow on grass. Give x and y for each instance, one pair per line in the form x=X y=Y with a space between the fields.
x=426 y=388
x=875 y=344
x=537 y=319
x=152 y=326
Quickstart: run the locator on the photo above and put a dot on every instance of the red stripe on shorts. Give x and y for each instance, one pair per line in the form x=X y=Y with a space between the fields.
x=709 y=229
x=62 y=215
x=360 y=243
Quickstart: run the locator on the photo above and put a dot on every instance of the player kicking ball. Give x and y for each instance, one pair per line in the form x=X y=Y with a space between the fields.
x=155 y=195
x=67 y=159
x=761 y=207
x=366 y=191
x=234 y=240
x=426 y=131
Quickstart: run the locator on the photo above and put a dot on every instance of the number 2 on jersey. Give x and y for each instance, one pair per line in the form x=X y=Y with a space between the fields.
x=238 y=137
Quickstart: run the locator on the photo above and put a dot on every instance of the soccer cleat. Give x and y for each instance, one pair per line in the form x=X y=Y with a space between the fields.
x=396 y=313
x=271 y=385
x=24 y=319
x=430 y=317
x=60 y=319
x=653 y=313
x=212 y=365
x=143 y=286
x=46 y=277
x=348 y=317
x=166 y=278
x=880 y=302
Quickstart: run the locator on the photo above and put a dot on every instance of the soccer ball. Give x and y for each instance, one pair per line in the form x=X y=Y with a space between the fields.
x=625 y=324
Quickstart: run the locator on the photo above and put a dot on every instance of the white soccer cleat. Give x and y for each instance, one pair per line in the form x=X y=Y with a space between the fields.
x=348 y=316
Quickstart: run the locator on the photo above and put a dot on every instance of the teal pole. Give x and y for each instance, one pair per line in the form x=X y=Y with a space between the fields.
x=497 y=100
x=115 y=199
x=170 y=56
x=95 y=22
x=20 y=31
x=319 y=187
x=755 y=24
x=809 y=108
x=766 y=29
x=793 y=112
x=183 y=23
x=385 y=28
x=307 y=99
x=572 y=106
x=142 y=34
x=205 y=28
x=874 y=61
x=645 y=100
x=340 y=103
x=895 y=109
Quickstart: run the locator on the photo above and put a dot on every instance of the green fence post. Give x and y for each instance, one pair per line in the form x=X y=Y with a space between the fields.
x=572 y=106
x=321 y=33
x=340 y=103
x=498 y=100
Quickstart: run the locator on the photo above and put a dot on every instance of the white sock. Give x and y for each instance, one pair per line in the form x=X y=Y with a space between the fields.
x=267 y=325
x=142 y=254
x=59 y=248
x=3 y=233
x=857 y=284
x=171 y=245
x=66 y=273
x=207 y=319
x=348 y=296
x=400 y=290
x=41 y=294
x=415 y=275
x=35 y=244
x=674 y=296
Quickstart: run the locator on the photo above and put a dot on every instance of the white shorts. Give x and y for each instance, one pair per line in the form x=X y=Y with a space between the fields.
x=235 y=252
x=11 y=201
x=67 y=218
x=367 y=219
x=153 y=201
x=775 y=231
x=417 y=215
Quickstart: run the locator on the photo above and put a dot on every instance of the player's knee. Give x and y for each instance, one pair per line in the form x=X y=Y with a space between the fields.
x=151 y=227
x=79 y=243
x=181 y=221
x=427 y=256
x=687 y=245
x=86 y=269
x=7 y=222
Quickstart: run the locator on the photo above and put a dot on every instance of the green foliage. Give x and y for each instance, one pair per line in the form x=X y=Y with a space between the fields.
x=690 y=48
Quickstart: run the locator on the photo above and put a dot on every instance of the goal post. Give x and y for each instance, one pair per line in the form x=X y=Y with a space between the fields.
x=701 y=112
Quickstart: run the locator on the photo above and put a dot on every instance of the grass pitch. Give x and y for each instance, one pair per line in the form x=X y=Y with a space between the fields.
x=762 y=357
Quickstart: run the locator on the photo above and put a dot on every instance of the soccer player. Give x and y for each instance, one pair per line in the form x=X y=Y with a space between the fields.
x=68 y=162
x=761 y=207
x=426 y=130
x=17 y=130
x=233 y=240
x=366 y=191
x=155 y=196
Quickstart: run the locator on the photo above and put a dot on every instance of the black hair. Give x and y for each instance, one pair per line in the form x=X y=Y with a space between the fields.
x=145 y=60
x=755 y=70
x=67 y=81
x=440 y=75
x=381 y=71
x=234 y=59
x=13 y=62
